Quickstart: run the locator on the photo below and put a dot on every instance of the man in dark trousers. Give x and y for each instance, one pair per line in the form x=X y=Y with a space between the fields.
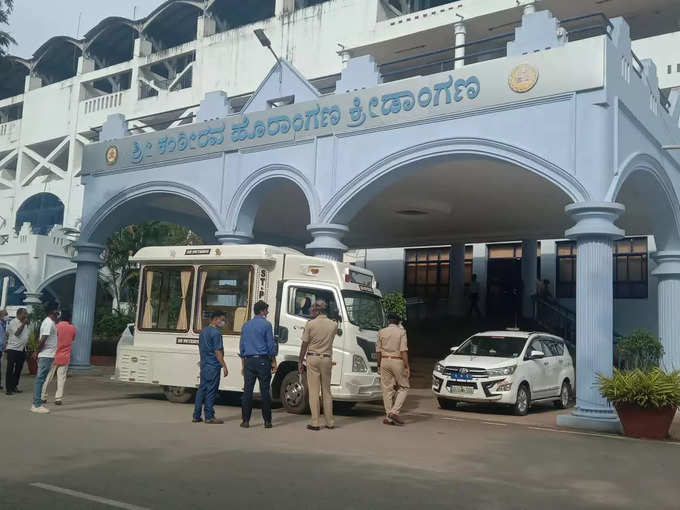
x=258 y=356
x=212 y=358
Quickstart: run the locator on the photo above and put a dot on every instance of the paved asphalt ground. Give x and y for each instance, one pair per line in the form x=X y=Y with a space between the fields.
x=122 y=446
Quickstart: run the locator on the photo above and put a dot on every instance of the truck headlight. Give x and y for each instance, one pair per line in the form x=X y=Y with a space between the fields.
x=501 y=371
x=438 y=367
x=358 y=364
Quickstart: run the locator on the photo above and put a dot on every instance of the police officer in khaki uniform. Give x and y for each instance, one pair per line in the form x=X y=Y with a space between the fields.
x=317 y=344
x=392 y=350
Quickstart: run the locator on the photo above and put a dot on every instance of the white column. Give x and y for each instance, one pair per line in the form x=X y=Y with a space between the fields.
x=31 y=299
x=668 y=273
x=530 y=7
x=480 y=264
x=529 y=275
x=460 y=33
x=234 y=237
x=5 y=289
x=457 y=279
x=327 y=241
x=594 y=233
x=88 y=262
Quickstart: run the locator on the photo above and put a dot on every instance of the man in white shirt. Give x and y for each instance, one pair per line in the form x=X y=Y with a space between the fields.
x=47 y=350
x=17 y=338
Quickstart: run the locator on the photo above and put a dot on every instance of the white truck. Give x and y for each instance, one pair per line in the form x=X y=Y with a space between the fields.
x=181 y=286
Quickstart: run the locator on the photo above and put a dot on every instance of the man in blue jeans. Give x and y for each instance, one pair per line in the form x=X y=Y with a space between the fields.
x=211 y=349
x=258 y=357
x=47 y=350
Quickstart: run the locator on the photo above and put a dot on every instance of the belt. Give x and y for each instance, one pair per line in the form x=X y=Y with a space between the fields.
x=319 y=355
x=258 y=356
x=392 y=357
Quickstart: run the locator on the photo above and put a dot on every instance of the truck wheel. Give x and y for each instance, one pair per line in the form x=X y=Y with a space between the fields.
x=523 y=402
x=447 y=404
x=294 y=394
x=178 y=394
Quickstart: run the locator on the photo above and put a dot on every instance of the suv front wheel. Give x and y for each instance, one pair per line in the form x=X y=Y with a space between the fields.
x=565 y=396
x=523 y=401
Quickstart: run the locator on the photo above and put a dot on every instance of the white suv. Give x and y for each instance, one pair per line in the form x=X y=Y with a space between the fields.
x=506 y=367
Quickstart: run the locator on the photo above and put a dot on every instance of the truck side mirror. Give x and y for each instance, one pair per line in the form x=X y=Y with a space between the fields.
x=339 y=333
x=282 y=335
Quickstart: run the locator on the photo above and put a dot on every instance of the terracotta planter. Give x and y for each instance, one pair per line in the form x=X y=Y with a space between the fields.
x=645 y=422
x=32 y=365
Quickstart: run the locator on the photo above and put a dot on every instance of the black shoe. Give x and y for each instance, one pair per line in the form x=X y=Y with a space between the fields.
x=267 y=424
x=57 y=402
x=245 y=424
x=312 y=427
x=9 y=392
x=44 y=401
x=330 y=427
x=197 y=420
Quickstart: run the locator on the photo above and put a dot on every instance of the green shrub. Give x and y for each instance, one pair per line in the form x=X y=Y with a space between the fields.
x=395 y=302
x=645 y=388
x=640 y=350
x=110 y=324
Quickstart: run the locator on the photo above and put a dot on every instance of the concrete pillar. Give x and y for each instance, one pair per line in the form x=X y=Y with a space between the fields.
x=206 y=26
x=457 y=280
x=284 y=7
x=668 y=273
x=3 y=296
x=460 y=32
x=529 y=275
x=234 y=238
x=32 y=298
x=88 y=262
x=480 y=264
x=594 y=233
x=327 y=241
x=85 y=64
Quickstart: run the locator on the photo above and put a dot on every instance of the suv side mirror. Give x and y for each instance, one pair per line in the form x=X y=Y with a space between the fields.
x=282 y=335
x=536 y=355
x=454 y=348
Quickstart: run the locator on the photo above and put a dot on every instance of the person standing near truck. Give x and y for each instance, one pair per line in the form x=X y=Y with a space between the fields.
x=211 y=349
x=392 y=351
x=317 y=345
x=17 y=338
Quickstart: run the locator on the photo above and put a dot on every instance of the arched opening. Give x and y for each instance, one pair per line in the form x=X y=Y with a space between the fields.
x=16 y=291
x=57 y=59
x=277 y=212
x=172 y=24
x=43 y=211
x=231 y=14
x=111 y=42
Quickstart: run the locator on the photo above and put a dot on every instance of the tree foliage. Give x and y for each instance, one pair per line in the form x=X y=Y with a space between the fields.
x=6 y=7
x=395 y=302
x=640 y=349
x=122 y=276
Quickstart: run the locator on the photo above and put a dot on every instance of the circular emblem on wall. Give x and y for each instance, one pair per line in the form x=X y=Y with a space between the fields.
x=523 y=78
x=112 y=155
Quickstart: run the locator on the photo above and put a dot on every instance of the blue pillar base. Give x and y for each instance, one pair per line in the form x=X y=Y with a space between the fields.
x=601 y=422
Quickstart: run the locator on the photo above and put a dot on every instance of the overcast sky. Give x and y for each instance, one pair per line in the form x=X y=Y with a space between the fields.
x=35 y=21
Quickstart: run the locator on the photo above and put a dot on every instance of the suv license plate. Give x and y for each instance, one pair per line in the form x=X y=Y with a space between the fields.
x=460 y=389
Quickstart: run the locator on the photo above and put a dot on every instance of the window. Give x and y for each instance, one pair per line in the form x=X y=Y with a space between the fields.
x=364 y=310
x=43 y=211
x=302 y=299
x=630 y=269
x=494 y=346
x=226 y=289
x=427 y=271
x=553 y=347
x=537 y=345
x=566 y=269
x=409 y=6
x=677 y=68
x=670 y=69
x=166 y=299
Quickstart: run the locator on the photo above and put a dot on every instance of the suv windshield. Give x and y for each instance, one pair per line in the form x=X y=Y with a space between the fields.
x=493 y=346
x=364 y=310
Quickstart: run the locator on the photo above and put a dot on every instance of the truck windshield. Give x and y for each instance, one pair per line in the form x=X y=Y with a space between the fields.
x=364 y=310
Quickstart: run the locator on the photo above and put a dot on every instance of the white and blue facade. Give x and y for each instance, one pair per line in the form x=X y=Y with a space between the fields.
x=558 y=138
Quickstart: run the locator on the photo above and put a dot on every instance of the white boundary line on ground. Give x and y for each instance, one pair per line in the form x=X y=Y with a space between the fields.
x=88 y=497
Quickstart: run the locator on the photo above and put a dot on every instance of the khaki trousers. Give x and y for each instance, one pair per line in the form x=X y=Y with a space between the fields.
x=61 y=371
x=393 y=374
x=319 y=381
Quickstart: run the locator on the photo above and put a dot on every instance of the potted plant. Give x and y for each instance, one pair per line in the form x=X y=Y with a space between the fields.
x=645 y=400
x=32 y=351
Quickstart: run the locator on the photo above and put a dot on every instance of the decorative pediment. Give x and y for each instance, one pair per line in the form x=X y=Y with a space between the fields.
x=283 y=85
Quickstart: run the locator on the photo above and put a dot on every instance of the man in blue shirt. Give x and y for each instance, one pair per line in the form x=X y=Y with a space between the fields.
x=3 y=337
x=212 y=358
x=258 y=356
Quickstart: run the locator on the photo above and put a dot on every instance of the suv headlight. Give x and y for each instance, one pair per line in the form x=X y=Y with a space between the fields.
x=501 y=371
x=358 y=364
x=438 y=367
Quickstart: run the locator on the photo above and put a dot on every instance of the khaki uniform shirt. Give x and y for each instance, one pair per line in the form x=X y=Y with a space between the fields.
x=392 y=341
x=320 y=333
